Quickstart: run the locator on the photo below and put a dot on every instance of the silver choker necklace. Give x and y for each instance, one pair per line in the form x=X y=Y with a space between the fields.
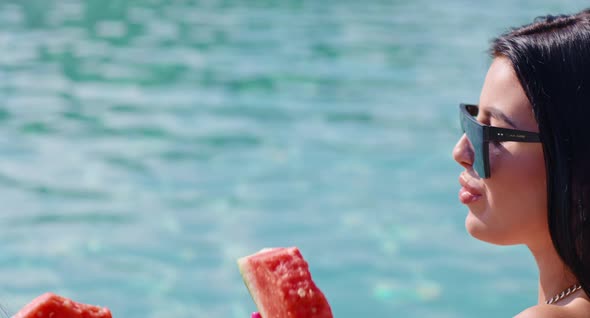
x=563 y=294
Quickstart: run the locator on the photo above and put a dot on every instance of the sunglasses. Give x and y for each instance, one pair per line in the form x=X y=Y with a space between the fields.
x=480 y=136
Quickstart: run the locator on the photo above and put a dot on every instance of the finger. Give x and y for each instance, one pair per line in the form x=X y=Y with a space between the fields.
x=256 y=315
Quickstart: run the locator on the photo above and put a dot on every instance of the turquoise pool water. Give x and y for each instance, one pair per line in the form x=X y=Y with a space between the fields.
x=146 y=145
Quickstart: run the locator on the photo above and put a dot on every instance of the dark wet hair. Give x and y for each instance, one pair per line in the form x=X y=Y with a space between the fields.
x=551 y=58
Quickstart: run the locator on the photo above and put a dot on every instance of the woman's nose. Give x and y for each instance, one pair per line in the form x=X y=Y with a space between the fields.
x=463 y=152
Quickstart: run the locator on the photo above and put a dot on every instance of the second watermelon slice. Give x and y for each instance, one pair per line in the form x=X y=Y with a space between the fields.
x=50 y=305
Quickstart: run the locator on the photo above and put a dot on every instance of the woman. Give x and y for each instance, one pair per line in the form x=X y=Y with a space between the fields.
x=526 y=154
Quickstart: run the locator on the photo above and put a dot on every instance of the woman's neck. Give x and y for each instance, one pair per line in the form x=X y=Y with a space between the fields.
x=554 y=276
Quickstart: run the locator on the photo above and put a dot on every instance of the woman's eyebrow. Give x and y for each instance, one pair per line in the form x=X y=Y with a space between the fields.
x=499 y=115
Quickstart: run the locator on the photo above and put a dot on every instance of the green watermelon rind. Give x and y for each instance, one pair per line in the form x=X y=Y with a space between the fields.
x=243 y=272
x=244 y=267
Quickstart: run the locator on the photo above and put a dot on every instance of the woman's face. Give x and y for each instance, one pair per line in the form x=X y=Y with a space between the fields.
x=510 y=207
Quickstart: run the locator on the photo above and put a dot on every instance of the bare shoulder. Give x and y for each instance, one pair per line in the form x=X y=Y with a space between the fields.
x=578 y=308
x=545 y=311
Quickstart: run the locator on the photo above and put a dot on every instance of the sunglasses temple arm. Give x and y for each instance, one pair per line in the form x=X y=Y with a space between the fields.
x=502 y=134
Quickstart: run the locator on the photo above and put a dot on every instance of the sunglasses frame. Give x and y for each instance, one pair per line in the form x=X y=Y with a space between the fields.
x=467 y=115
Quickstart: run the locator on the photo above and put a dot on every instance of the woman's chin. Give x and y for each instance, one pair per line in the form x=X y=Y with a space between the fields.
x=483 y=231
x=475 y=227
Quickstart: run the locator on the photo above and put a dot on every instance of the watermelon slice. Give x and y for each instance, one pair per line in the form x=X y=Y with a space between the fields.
x=280 y=284
x=50 y=305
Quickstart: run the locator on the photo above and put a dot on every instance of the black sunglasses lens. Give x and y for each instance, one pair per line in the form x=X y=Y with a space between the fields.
x=474 y=133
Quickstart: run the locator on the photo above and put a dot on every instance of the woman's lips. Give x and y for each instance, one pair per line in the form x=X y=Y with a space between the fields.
x=467 y=197
x=468 y=193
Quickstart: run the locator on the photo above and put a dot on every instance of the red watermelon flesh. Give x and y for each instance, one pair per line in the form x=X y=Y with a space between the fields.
x=50 y=305
x=280 y=283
